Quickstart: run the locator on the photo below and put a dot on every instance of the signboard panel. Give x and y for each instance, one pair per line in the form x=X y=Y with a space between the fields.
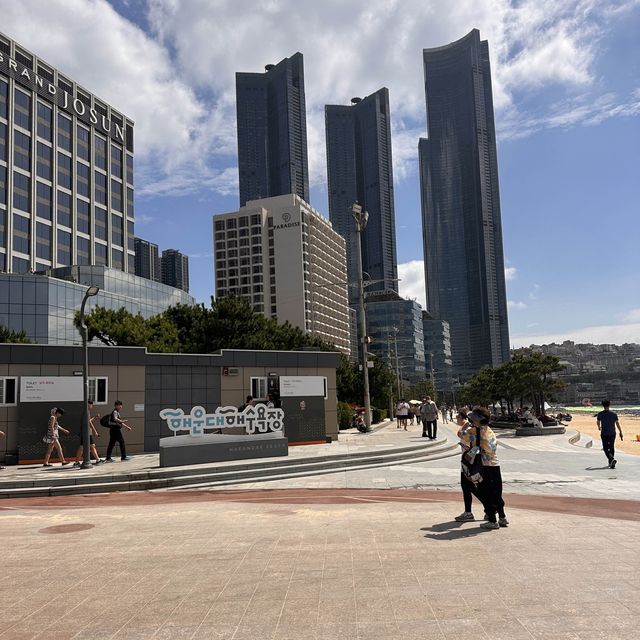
x=303 y=386
x=54 y=389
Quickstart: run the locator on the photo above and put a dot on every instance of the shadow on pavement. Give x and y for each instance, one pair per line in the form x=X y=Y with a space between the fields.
x=607 y=467
x=451 y=531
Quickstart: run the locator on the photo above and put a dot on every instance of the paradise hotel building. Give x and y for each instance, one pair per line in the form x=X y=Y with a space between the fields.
x=66 y=171
x=285 y=258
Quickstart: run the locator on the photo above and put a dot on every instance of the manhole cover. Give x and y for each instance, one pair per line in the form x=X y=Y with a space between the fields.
x=67 y=528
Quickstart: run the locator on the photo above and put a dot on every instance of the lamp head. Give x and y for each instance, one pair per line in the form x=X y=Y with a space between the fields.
x=92 y=291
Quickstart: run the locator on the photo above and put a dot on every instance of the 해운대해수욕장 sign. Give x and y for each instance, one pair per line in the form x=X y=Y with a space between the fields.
x=258 y=419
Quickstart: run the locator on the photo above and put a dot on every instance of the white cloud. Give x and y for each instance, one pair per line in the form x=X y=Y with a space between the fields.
x=513 y=304
x=510 y=273
x=411 y=283
x=177 y=82
x=603 y=334
x=633 y=315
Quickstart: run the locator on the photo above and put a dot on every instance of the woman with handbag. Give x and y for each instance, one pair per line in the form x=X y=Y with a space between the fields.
x=486 y=478
x=466 y=486
x=52 y=438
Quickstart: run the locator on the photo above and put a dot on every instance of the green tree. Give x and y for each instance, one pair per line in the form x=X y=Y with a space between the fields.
x=7 y=335
x=420 y=390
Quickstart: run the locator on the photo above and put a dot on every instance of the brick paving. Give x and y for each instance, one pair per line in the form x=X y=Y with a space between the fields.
x=241 y=570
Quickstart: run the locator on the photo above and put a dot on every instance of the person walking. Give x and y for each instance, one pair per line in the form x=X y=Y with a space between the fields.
x=402 y=413
x=443 y=411
x=115 y=433
x=429 y=415
x=52 y=438
x=607 y=422
x=92 y=432
x=489 y=491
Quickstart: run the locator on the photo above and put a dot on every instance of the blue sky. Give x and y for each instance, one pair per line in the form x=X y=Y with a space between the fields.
x=566 y=79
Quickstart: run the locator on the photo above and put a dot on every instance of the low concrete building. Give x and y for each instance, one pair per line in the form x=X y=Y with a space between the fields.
x=34 y=378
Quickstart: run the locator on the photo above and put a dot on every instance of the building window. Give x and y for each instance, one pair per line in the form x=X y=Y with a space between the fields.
x=4 y=93
x=83 y=186
x=82 y=250
x=44 y=205
x=43 y=241
x=21 y=233
x=21 y=192
x=259 y=388
x=3 y=186
x=100 y=151
x=116 y=161
x=100 y=254
x=116 y=195
x=44 y=160
x=64 y=171
x=82 y=143
x=3 y=141
x=100 y=230
x=22 y=109
x=22 y=150
x=20 y=265
x=130 y=202
x=45 y=119
x=116 y=230
x=98 y=389
x=8 y=392
x=130 y=236
x=64 y=247
x=64 y=209
x=100 y=181
x=82 y=216
x=64 y=132
x=116 y=259
x=129 y=169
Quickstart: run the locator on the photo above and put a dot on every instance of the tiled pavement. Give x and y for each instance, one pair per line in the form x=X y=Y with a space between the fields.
x=182 y=566
x=224 y=570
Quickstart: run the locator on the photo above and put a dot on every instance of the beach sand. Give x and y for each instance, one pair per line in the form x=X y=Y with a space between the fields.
x=586 y=423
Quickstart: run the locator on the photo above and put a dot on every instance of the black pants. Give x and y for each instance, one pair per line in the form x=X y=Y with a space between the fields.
x=489 y=492
x=608 y=446
x=467 y=492
x=115 y=435
x=430 y=427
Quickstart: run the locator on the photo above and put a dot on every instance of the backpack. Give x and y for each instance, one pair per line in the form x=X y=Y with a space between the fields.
x=105 y=420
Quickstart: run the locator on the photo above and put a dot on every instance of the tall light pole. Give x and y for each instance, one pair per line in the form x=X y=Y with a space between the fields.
x=86 y=431
x=361 y=218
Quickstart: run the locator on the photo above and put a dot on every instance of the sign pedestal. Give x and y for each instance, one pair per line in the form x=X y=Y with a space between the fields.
x=187 y=449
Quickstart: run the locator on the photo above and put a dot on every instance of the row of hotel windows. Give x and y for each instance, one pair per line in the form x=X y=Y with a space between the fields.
x=44 y=130
x=100 y=258
x=44 y=163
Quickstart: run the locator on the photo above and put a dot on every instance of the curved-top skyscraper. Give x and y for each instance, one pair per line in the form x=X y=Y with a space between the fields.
x=464 y=262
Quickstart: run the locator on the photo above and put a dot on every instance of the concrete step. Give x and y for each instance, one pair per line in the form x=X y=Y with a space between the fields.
x=208 y=476
x=445 y=453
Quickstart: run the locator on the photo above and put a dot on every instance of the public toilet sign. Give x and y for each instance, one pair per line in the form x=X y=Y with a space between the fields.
x=51 y=389
x=258 y=419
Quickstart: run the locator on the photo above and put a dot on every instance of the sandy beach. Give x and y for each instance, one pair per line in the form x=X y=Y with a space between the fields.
x=586 y=423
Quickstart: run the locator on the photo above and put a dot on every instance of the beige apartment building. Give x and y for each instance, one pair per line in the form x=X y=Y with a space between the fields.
x=285 y=258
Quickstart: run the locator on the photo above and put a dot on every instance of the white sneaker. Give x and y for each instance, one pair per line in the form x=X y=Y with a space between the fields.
x=489 y=525
x=465 y=516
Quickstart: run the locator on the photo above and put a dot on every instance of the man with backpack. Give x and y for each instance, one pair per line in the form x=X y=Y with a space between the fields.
x=115 y=424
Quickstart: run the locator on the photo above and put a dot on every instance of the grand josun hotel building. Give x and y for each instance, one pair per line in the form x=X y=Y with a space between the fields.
x=66 y=171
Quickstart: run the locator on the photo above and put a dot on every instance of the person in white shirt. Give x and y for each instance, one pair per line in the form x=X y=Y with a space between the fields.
x=402 y=413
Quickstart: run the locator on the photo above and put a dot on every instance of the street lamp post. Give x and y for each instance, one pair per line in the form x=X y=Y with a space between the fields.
x=361 y=218
x=86 y=431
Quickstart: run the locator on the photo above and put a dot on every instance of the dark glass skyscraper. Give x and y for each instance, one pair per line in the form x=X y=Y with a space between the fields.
x=147 y=260
x=464 y=263
x=175 y=269
x=360 y=169
x=272 y=131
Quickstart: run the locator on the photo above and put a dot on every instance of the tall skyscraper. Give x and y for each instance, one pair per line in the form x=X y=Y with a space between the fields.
x=464 y=263
x=272 y=131
x=360 y=169
x=175 y=269
x=147 y=260
x=66 y=171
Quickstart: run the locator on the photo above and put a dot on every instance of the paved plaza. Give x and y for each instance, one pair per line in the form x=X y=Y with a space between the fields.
x=370 y=553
